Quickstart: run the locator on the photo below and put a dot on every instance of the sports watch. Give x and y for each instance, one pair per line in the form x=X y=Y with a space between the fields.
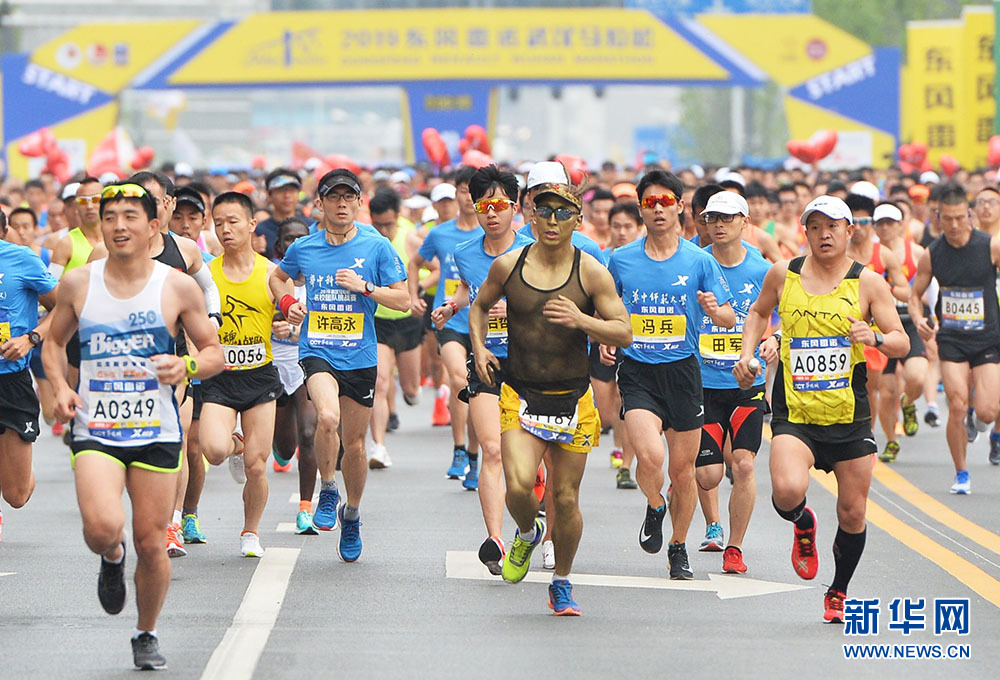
x=369 y=288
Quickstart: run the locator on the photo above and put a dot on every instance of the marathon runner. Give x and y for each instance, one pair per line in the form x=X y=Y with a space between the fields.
x=348 y=271
x=987 y=211
x=546 y=404
x=821 y=414
x=126 y=428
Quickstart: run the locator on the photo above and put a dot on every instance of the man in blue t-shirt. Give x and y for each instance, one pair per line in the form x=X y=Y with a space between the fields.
x=348 y=271
x=453 y=339
x=24 y=282
x=665 y=282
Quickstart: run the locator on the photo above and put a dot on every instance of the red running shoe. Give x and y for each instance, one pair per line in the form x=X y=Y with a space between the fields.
x=732 y=561
x=804 y=559
x=834 y=604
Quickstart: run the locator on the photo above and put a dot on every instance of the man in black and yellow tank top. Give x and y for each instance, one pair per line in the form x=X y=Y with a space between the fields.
x=546 y=406
x=964 y=261
x=820 y=403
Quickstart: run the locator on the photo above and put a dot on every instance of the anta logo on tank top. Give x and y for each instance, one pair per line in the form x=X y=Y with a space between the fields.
x=803 y=313
x=237 y=310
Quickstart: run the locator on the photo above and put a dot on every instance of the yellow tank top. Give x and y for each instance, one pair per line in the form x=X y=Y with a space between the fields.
x=81 y=249
x=823 y=376
x=247 y=312
x=399 y=243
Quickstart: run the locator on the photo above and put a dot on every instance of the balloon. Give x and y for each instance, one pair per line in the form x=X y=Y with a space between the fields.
x=339 y=160
x=478 y=139
x=925 y=165
x=437 y=150
x=575 y=166
x=142 y=158
x=949 y=165
x=464 y=145
x=37 y=143
x=907 y=168
x=822 y=143
x=801 y=150
x=259 y=162
x=919 y=152
x=993 y=151
x=476 y=159
x=301 y=153
x=905 y=153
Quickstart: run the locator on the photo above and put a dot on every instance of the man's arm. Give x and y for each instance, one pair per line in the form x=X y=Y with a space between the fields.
x=191 y=314
x=758 y=318
x=63 y=321
x=479 y=312
x=443 y=314
x=897 y=279
x=921 y=280
x=419 y=306
x=768 y=245
x=882 y=309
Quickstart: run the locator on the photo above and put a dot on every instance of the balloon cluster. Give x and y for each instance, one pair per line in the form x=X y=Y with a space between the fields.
x=43 y=143
x=816 y=148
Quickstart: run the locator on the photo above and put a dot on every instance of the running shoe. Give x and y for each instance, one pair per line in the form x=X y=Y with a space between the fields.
x=175 y=544
x=111 y=584
x=910 y=422
x=714 y=538
x=491 y=554
x=931 y=418
x=250 y=545
x=677 y=556
x=971 y=433
x=411 y=401
x=379 y=460
x=617 y=458
x=236 y=468
x=191 y=529
x=349 y=547
x=325 y=518
x=393 y=424
x=833 y=603
x=146 y=653
x=561 y=598
x=804 y=559
x=281 y=464
x=548 y=555
x=539 y=487
x=732 y=561
x=441 y=416
x=623 y=480
x=729 y=474
x=995 y=451
x=890 y=452
x=651 y=533
x=304 y=524
x=471 y=481
x=518 y=561
x=459 y=463
x=963 y=483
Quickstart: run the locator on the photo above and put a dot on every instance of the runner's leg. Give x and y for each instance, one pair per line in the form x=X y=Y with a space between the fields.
x=17 y=480
x=152 y=495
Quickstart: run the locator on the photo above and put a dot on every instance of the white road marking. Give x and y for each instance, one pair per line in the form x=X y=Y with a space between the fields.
x=285 y=528
x=237 y=655
x=465 y=564
x=7 y=573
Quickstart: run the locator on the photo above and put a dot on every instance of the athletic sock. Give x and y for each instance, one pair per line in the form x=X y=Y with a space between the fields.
x=473 y=455
x=847 y=549
x=559 y=577
x=803 y=520
x=980 y=425
x=177 y=517
x=529 y=536
x=328 y=486
x=118 y=561
x=136 y=633
x=352 y=513
x=305 y=506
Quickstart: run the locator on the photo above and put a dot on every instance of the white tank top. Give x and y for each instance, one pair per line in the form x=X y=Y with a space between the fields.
x=124 y=404
x=286 y=350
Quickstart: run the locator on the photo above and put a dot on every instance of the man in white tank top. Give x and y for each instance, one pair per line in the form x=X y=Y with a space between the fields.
x=125 y=425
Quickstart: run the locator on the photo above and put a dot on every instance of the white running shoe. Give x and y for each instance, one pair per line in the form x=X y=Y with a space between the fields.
x=236 y=468
x=250 y=545
x=548 y=555
x=379 y=458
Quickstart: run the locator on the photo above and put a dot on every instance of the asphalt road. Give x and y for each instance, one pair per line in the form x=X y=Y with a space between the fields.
x=301 y=612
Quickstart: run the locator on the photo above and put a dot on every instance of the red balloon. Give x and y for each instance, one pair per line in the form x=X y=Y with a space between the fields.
x=476 y=159
x=143 y=158
x=478 y=139
x=925 y=165
x=339 y=160
x=464 y=145
x=575 y=166
x=437 y=150
x=57 y=162
x=993 y=151
x=259 y=162
x=801 y=150
x=905 y=153
x=822 y=143
x=949 y=165
x=919 y=152
x=37 y=144
x=907 y=167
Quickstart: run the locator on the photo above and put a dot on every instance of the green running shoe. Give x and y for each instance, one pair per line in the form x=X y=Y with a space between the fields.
x=191 y=529
x=304 y=524
x=910 y=423
x=518 y=561
x=890 y=453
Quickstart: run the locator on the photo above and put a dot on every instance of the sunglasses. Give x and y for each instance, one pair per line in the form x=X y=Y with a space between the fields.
x=124 y=190
x=712 y=218
x=863 y=221
x=665 y=200
x=562 y=214
x=84 y=200
x=496 y=204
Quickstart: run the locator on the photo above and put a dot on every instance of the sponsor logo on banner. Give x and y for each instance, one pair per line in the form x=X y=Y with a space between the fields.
x=57 y=83
x=68 y=55
x=291 y=48
x=122 y=54
x=97 y=54
x=816 y=49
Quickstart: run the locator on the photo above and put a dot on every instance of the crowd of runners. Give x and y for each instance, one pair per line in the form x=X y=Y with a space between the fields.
x=170 y=321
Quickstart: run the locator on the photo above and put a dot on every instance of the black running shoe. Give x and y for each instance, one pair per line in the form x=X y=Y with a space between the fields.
x=146 y=653
x=651 y=533
x=680 y=569
x=393 y=423
x=491 y=554
x=111 y=584
x=931 y=418
x=994 y=451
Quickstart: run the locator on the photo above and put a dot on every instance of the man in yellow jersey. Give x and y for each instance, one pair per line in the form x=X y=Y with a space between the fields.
x=821 y=416
x=399 y=334
x=249 y=385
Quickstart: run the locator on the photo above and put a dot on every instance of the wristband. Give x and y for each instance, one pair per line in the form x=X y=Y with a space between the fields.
x=286 y=303
x=217 y=319
x=191 y=364
x=454 y=307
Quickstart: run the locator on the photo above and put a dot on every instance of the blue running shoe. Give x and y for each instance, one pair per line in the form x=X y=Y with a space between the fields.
x=349 y=547
x=714 y=539
x=325 y=518
x=459 y=463
x=471 y=481
x=561 y=599
x=191 y=530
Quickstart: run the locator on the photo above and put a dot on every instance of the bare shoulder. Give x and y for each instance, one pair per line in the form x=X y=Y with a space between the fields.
x=504 y=264
x=870 y=279
x=181 y=284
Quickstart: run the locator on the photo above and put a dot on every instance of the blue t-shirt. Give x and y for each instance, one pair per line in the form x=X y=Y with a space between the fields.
x=720 y=348
x=340 y=325
x=440 y=243
x=579 y=240
x=473 y=267
x=23 y=278
x=661 y=297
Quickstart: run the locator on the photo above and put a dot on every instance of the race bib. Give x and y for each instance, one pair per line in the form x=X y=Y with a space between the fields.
x=962 y=309
x=450 y=288
x=5 y=331
x=329 y=328
x=496 y=332
x=548 y=428
x=820 y=363
x=722 y=349
x=243 y=357
x=663 y=330
x=123 y=410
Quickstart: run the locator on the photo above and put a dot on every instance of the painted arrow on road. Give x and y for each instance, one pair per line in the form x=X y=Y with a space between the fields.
x=465 y=564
